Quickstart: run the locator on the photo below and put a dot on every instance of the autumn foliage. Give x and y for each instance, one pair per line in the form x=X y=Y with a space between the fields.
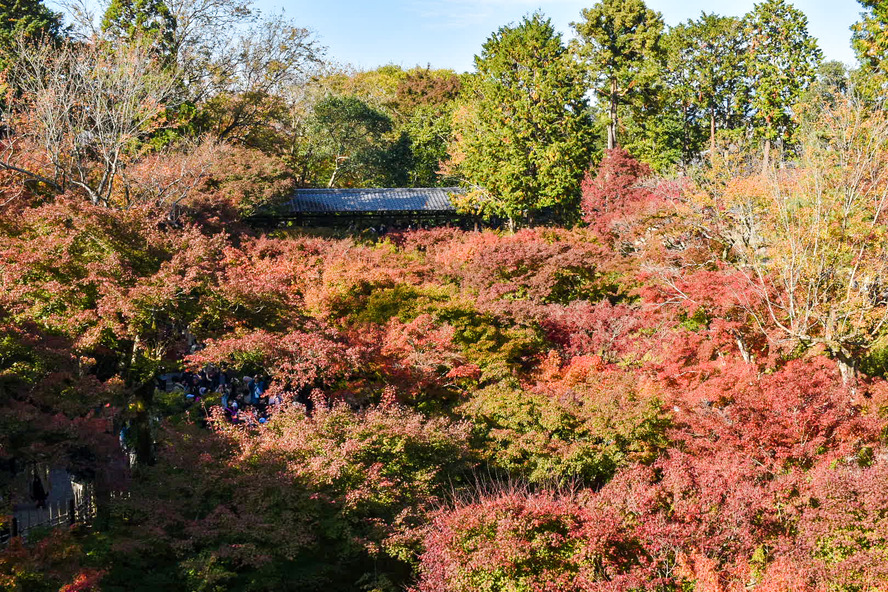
x=616 y=406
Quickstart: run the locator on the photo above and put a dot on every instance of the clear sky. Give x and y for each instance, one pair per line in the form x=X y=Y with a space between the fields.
x=448 y=33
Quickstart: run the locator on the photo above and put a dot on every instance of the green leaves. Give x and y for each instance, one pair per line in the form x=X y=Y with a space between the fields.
x=349 y=135
x=870 y=42
x=620 y=42
x=783 y=60
x=523 y=140
x=26 y=17
x=706 y=74
x=149 y=21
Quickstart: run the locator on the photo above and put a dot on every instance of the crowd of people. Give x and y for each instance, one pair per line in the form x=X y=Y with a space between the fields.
x=244 y=399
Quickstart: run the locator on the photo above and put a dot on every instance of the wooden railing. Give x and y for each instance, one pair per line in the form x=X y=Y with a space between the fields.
x=59 y=513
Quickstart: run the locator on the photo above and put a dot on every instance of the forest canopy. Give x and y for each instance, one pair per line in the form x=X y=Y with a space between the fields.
x=655 y=360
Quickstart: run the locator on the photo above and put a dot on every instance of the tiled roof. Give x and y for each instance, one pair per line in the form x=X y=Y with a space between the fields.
x=436 y=199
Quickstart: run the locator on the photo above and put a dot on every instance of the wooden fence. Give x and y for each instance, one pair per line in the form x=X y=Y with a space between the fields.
x=59 y=513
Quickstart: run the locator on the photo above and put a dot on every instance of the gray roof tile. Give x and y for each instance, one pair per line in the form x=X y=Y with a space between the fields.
x=435 y=199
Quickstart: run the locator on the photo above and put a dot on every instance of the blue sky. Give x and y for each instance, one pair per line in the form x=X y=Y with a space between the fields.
x=448 y=33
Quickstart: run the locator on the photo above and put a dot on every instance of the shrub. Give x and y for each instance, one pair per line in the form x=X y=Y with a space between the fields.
x=524 y=542
x=569 y=435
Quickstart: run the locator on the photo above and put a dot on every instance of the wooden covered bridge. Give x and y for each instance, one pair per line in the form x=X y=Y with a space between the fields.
x=392 y=207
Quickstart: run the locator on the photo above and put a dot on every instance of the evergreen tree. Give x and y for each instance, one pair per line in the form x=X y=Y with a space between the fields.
x=26 y=17
x=620 y=40
x=707 y=75
x=783 y=61
x=523 y=140
x=870 y=42
x=149 y=21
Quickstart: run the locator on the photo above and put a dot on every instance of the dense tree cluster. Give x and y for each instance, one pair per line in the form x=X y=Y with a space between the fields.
x=621 y=406
x=523 y=138
x=683 y=389
x=517 y=132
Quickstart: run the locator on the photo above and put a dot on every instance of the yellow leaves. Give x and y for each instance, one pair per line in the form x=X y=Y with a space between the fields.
x=813 y=237
x=474 y=201
x=700 y=198
x=745 y=190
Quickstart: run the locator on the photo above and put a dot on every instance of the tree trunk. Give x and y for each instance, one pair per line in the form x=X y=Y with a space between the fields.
x=766 y=157
x=747 y=357
x=141 y=425
x=612 y=124
x=337 y=165
x=712 y=135
x=333 y=177
x=848 y=368
x=143 y=396
x=102 y=489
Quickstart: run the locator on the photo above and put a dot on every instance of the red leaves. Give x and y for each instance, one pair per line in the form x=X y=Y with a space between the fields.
x=846 y=529
x=707 y=459
x=536 y=265
x=616 y=198
x=585 y=329
x=791 y=417
x=85 y=581
x=524 y=541
x=54 y=562
x=420 y=355
x=381 y=469
x=753 y=473
x=295 y=360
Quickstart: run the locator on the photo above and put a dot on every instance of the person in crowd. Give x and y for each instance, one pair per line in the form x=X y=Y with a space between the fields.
x=275 y=400
x=250 y=387
x=243 y=400
x=226 y=392
x=232 y=412
x=38 y=492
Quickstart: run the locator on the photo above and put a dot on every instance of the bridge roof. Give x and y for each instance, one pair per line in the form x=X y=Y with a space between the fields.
x=434 y=199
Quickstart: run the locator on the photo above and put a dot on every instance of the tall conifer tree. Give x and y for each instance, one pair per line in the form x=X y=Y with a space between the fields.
x=870 y=41
x=783 y=61
x=26 y=17
x=707 y=71
x=620 y=41
x=523 y=141
x=150 y=21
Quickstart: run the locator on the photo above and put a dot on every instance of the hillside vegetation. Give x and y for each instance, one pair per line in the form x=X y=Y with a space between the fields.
x=677 y=383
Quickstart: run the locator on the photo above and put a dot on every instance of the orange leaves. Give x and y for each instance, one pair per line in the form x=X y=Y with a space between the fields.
x=745 y=192
x=701 y=570
x=54 y=562
x=85 y=581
